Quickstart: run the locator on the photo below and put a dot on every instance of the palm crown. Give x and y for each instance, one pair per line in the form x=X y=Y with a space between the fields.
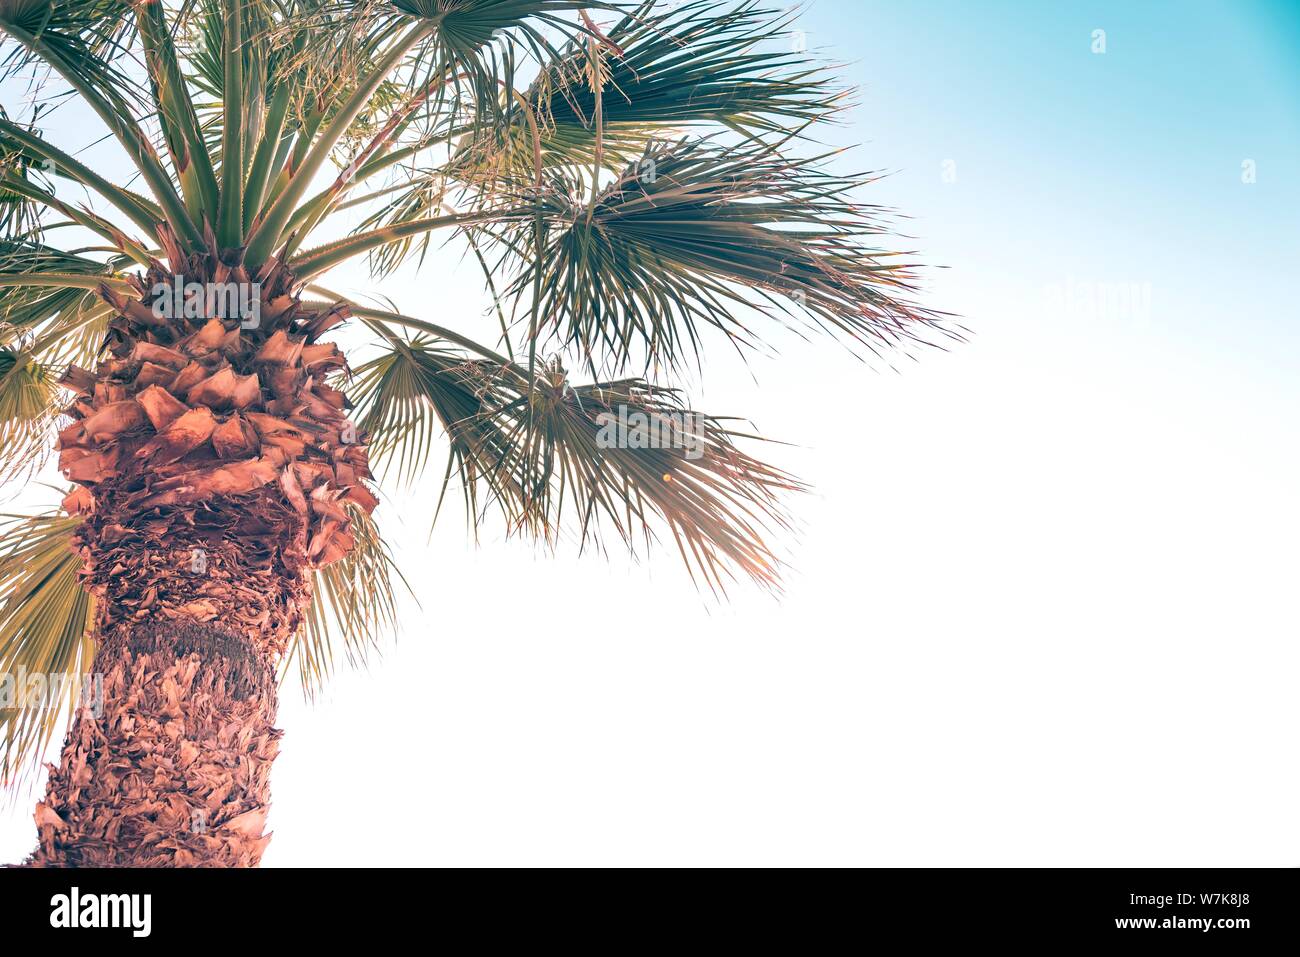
x=633 y=181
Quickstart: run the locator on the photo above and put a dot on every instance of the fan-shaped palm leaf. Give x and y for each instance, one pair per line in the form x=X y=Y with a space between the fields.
x=687 y=472
x=688 y=234
x=44 y=615
x=28 y=411
x=690 y=64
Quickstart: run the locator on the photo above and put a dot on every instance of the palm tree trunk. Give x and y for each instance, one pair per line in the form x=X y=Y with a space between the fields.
x=214 y=465
x=170 y=764
x=175 y=768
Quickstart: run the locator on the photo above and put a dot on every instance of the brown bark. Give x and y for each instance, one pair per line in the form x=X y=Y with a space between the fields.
x=175 y=770
x=214 y=464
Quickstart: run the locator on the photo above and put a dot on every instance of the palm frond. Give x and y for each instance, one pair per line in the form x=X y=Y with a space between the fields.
x=690 y=476
x=692 y=235
x=54 y=317
x=44 y=617
x=693 y=64
x=29 y=409
x=478 y=44
x=81 y=41
x=20 y=213
x=410 y=397
x=32 y=406
x=91 y=34
x=353 y=605
x=669 y=465
x=42 y=330
x=23 y=150
x=266 y=235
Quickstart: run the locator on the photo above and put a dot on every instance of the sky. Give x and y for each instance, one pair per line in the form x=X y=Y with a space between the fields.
x=1040 y=606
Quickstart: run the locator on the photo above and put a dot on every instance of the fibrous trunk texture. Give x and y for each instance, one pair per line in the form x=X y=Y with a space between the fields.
x=175 y=770
x=215 y=469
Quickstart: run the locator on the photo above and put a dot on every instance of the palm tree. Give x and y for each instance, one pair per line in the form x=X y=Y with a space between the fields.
x=633 y=181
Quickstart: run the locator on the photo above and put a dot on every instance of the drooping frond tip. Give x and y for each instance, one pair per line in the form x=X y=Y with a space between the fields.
x=624 y=457
x=354 y=603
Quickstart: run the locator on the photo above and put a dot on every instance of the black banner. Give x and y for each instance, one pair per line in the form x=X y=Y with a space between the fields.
x=1222 y=909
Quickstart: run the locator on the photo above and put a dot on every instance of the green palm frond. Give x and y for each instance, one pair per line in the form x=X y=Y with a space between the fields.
x=465 y=45
x=275 y=55
x=207 y=48
x=692 y=234
x=695 y=64
x=670 y=466
x=460 y=53
x=686 y=473
x=29 y=408
x=88 y=33
x=412 y=397
x=353 y=605
x=23 y=150
x=83 y=42
x=20 y=214
x=692 y=64
x=24 y=386
x=466 y=26
x=42 y=329
x=55 y=324
x=44 y=617
x=24 y=308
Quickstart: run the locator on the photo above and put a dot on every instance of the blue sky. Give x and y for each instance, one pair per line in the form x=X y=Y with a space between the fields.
x=1123 y=166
